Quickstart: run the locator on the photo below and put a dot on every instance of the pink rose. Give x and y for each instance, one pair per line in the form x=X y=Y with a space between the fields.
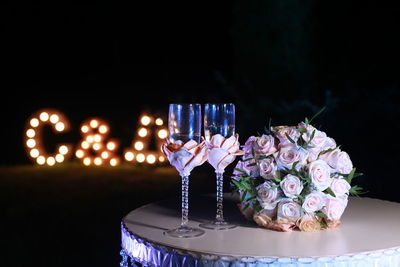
x=338 y=160
x=281 y=133
x=184 y=157
x=290 y=154
x=267 y=168
x=291 y=186
x=267 y=197
x=223 y=151
x=288 y=211
x=314 y=202
x=334 y=207
x=340 y=187
x=320 y=174
x=265 y=145
x=309 y=223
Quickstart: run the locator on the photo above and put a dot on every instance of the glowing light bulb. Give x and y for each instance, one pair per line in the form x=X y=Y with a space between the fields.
x=90 y=139
x=162 y=133
x=60 y=126
x=34 y=122
x=94 y=123
x=44 y=116
x=97 y=138
x=105 y=155
x=140 y=157
x=151 y=159
x=54 y=118
x=87 y=161
x=129 y=156
x=79 y=154
x=30 y=133
x=85 y=145
x=63 y=150
x=103 y=129
x=50 y=161
x=113 y=162
x=59 y=158
x=139 y=145
x=31 y=143
x=34 y=153
x=85 y=129
x=161 y=159
x=159 y=121
x=145 y=120
x=142 y=132
x=111 y=145
x=96 y=146
x=41 y=160
x=98 y=161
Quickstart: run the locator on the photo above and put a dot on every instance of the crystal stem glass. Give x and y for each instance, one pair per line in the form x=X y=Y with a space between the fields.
x=184 y=124
x=219 y=119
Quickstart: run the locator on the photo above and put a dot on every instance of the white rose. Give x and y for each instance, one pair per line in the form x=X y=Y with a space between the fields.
x=338 y=160
x=320 y=174
x=265 y=145
x=290 y=154
x=330 y=143
x=291 y=186
x=319 y=139
x=267 y=168
x=267 y=197
x=340 y=187
x=314 y=202
x=288 y=211
x=334 y=207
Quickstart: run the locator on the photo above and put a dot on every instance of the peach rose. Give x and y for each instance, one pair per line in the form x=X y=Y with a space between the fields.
x=290 y=154
x=338 y=160
x=184 y=157
x=291 y=186
x=265 y=145
x=334 y=207
x=309 y=223
x=340 y=187
x=267 y=168
x=331 y=224
x=264 y=217
x=268 y=197
x=314 y=202
x=320 y=174
x=223 y=151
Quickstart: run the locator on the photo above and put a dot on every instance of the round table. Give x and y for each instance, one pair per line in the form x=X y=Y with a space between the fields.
x=369 y=236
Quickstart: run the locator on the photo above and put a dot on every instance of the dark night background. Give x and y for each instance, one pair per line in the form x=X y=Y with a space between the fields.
x=274 y=59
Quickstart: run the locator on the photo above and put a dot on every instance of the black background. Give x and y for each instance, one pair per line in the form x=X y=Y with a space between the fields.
x=278 y=59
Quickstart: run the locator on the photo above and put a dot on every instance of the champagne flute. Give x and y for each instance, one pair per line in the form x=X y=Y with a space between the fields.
x=184 y=124
x=219 y=119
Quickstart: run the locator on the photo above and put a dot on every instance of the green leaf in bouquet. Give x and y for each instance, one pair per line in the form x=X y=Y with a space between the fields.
x=294 y=165
x=262 y=157
x=306 y=121
x=299 y=196
x=273 y=187
x=277 y=179
x=328 y=150
x=356 y=191
x=302 y=130
x=312 y=136
x=330 y=192
x=240 y=170
x=321 y=214
x=290 y=139
x=350 y=176
x=244 y=160
x=316 y=115
x=251 y=164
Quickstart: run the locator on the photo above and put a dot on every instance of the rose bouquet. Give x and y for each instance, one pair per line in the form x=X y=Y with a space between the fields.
x=294 y=177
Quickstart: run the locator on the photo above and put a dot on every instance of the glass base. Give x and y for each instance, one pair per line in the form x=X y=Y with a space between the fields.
x=217 y=225
x=185 y=232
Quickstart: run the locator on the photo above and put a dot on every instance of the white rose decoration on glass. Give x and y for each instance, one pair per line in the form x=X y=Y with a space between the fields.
x=223 y=147
x=299 y=178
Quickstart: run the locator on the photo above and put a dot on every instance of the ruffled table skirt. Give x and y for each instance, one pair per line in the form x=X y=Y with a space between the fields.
x=143 y=240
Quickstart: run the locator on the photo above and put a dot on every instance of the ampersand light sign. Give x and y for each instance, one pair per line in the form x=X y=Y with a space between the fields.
x=140 y=151
x=95 y=148
x=34 y=141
